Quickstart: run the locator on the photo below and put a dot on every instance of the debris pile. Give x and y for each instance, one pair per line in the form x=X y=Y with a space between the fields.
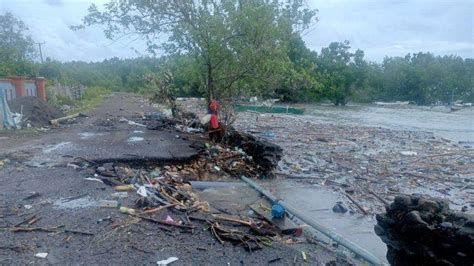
x=158 y=121
x=424 y=231
x=160 y=196
x=371 y=165
x=265 y=154
x=35 y=111
x=214 y=162
x=238 y=154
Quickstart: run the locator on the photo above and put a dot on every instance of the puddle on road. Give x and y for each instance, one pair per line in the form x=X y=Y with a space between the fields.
x=138 y=132
x=54 y=152
x=57 y=147
x=317 y=202
x=135 y=139
x=88 y=135
x=84 y=202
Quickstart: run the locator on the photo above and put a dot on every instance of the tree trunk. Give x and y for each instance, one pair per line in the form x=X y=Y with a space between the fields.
x=210 y=82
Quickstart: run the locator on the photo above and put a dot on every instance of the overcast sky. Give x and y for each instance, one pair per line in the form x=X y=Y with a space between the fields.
x=378 y=27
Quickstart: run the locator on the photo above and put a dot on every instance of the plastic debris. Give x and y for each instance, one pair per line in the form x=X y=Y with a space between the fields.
x=278 y=211
x=408 y=153
x=131 y=123
x=93 y=179
x=169 y=219
x=41 y=255
x=124 y=188
x=267 y=135
x=167 y=261
x=108 y=218
x=119 y=195
x=142 y=191
x=127 y=210
x=73 y=166
x=303 y=254
x=109 y=204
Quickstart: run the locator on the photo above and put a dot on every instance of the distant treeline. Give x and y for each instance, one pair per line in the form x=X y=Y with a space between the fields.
x=297 y=74
x=335 y=74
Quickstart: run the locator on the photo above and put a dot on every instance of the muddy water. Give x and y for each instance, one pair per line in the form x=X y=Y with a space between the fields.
x=456 y=126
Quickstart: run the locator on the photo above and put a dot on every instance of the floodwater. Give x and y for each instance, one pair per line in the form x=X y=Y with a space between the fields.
x=457 y=126
x=316 y=202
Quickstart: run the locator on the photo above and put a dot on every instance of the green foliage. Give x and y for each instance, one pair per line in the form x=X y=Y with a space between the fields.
x=235 y=48
x=339 y=75
x=424 y=78
x=16 y=47
x=92 y=97
x=237 y=44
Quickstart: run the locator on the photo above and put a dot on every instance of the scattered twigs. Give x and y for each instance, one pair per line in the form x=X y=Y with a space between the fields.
x=55 y=229
x=85 y=160
x=74 y=197
x=435 y=155
x=30 y=220
x=248 y=241
x=182 y=226
x=37 y=229
x=13 y=248
x=213 y=229
x=78 y=232
x=230 y=219
x=154 y=210
x=142 y=250
x=377 y=196
x=356 y=204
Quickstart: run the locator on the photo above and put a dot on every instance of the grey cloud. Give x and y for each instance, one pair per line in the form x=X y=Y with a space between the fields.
x=54 y=2
x=379 y=27
x=395 y=28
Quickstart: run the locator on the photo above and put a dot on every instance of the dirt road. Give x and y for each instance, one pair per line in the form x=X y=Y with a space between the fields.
x=42 y=189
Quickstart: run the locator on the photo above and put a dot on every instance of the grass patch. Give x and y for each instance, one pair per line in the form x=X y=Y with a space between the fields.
x=92 y=97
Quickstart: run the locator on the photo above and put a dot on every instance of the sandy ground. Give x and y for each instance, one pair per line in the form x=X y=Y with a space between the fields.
x=35 y=163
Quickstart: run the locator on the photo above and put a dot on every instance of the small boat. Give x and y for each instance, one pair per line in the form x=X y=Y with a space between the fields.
x=269 y=109
x=393 y=103
x=455 y=108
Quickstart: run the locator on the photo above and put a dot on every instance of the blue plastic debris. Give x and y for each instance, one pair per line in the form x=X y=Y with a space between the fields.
x=278 y=211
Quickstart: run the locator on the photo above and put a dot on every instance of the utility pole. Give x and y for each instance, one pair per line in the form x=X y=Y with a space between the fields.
x=41 y=52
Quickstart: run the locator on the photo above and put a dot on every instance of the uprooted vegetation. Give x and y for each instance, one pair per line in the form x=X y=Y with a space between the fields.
x=160 y=193
x=165 y=187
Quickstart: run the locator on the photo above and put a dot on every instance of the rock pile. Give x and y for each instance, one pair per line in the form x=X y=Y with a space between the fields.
x=420 y=230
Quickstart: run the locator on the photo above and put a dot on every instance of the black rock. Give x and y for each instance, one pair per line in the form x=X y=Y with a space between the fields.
x=420 y=230
x=339 y=208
